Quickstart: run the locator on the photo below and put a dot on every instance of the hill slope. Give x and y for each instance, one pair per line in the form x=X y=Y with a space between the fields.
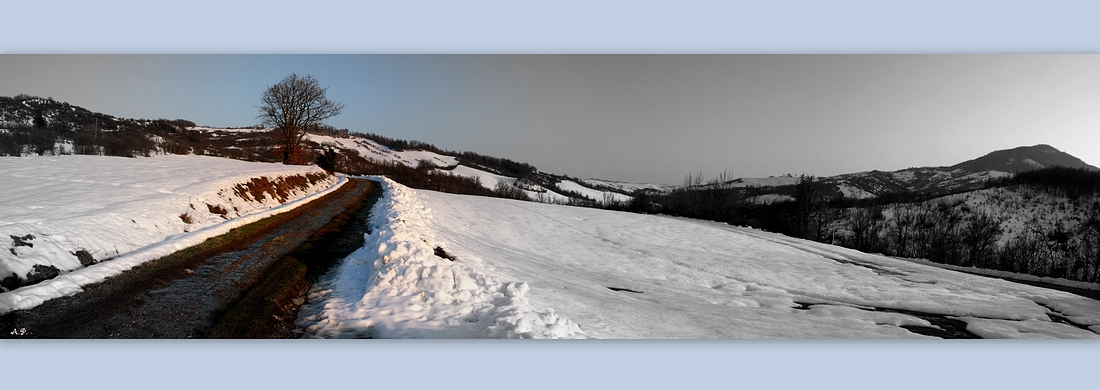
x=1023 y=158
x=526 y=270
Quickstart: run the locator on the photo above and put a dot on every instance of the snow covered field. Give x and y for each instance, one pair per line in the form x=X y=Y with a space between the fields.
x=524 y=269
x=120 y=212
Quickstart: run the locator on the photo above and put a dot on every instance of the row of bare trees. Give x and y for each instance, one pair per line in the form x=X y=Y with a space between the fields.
x=948 y=232
x=45 y=141
x=945 y=229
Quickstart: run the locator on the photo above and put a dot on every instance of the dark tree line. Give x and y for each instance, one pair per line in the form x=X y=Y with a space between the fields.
x=1074 y=182
x=940 y=228
x=950 y=232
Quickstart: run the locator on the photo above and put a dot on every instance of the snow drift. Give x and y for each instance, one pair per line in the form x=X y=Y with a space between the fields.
x=399 y=285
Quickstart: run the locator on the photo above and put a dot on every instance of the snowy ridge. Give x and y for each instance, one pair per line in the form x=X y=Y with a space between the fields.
x=536 y=192
x=142 y=243
x=628 y=187
x=397 y=287
x=374 y=151
x=488 y=179
x=596 y=195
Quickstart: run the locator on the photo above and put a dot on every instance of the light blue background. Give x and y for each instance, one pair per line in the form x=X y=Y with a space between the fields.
x=550 y=27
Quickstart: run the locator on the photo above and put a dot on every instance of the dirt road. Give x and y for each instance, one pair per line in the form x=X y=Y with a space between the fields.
x=185 y=295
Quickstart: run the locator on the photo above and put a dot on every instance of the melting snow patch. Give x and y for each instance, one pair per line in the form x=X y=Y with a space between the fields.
x=1026 y=329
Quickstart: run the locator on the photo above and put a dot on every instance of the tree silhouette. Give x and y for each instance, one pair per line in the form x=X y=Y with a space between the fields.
x=293 y=106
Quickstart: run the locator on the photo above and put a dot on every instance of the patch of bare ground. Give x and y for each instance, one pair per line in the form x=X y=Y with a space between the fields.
x=259 y=188
x=948 y=328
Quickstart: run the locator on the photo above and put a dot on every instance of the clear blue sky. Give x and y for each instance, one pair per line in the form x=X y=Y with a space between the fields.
x=642 y=118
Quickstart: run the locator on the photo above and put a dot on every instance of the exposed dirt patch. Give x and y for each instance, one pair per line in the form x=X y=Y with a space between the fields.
x=22 y=241
x=1057 y=316
x=949 y=328
x=443 y=254
x=260 y=188
x=84 y=256
x=219 y=210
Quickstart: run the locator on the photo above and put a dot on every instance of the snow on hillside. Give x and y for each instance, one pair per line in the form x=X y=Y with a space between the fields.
x=67 y=212
x=372 y=150
x=491 y=180
x=1023 y=210
x=488 y=179
x=627 y=187
x=525 y=269
x=596 y=195
x=849 y=191
x=769 y=199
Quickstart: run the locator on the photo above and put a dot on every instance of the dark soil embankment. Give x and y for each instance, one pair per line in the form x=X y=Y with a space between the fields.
x=179 y=295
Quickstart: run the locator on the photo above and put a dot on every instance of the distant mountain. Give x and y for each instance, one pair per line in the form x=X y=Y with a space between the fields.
x=32 y=111
x=968 y=175
x=965 y=176
x=1024 y=158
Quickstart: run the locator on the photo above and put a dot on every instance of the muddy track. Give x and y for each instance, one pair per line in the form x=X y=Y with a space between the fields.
x=184 y=294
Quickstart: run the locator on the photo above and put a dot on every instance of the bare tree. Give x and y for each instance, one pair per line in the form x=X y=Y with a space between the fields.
x=980 y=239
x=865 y=224
x=293 y=106
x=812 y=200
x=904 y=217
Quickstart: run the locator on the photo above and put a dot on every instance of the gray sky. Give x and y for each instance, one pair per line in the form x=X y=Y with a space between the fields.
x=641 y=118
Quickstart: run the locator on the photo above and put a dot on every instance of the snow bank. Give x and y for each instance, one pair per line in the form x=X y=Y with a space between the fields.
x=396 y=286
x=120 y=212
